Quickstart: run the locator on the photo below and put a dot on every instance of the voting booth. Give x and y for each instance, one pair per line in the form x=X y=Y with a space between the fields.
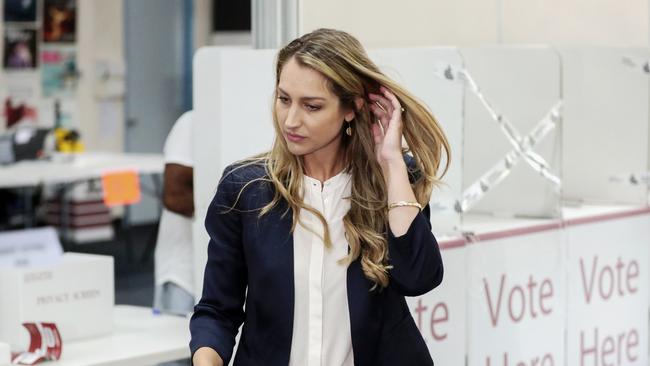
x=607 y=220
x=511 y=199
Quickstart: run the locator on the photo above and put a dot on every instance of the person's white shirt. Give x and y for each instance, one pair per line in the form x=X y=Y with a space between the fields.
x=321 y=322
x=173 y=256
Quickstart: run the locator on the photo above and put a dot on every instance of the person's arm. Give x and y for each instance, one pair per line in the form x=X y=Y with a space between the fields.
x=220 y=311
x=413 y=250
x=417 y=266
x=206 y=356
x=178 y=189
x=399 y=189
x=387 y=134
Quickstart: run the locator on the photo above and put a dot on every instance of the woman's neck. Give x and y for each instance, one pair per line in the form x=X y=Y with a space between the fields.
x=322 y=167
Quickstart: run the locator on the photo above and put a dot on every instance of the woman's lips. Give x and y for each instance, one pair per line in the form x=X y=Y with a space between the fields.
x=294 y=138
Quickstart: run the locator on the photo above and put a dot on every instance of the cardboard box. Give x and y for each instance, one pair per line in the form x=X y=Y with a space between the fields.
x=77 y=293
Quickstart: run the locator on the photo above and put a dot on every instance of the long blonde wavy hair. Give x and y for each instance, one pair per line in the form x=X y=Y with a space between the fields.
x=351 y=74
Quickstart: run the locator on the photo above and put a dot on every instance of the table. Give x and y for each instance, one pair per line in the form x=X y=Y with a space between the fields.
x=139 y=338
x=70 y=169
x=66 y=170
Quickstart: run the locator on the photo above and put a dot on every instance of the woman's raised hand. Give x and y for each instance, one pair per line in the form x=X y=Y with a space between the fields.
x=387 y=126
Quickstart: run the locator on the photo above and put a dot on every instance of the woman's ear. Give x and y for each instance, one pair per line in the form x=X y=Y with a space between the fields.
x=358 y=104
x=349 y=116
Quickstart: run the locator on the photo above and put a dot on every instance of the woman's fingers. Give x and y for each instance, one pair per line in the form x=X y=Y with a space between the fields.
x=386 y=109
x=377 y=133
x=379 y=113
x=381 y=117
x=396 y=111
x=382 y=102
x=396 y=107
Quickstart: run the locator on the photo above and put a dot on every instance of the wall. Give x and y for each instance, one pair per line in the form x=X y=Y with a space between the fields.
x=385 y=23
x=101 y=39
x=585 y=22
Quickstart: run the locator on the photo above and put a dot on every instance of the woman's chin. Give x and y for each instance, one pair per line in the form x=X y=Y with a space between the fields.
x=297 y=150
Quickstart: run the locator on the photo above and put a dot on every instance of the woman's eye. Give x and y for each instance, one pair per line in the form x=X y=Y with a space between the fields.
x=312 y=108
x=283 y=100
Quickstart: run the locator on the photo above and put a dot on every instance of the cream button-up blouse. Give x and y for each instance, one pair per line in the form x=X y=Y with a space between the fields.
x=321 y=326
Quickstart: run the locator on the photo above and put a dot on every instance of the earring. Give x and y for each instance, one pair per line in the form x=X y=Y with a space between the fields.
x=348 y=131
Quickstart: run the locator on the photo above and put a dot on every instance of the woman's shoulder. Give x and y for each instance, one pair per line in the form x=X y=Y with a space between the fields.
x=245 y=184
x=242 y=174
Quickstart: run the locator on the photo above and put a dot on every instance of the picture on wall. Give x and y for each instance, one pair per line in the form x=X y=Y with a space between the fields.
x=59 y=21
x=59 y=71
x=20 y=49
x=19 y=11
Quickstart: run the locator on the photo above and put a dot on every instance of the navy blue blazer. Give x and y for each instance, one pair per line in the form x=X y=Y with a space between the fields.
x=247 y=253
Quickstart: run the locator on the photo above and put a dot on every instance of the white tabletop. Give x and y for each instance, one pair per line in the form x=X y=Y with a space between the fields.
x=483 y=225
x=65 y=169
x=592 y=210
x=139 y=338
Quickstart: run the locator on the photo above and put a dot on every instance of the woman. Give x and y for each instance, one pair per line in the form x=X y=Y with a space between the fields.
x=324 y=235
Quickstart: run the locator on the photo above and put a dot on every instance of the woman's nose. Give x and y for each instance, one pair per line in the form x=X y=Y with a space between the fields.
x=292 y=119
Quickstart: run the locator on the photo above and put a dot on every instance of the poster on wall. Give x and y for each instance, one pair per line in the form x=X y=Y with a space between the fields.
x=59 y=72
x=59 y=21
x=19 y=11
x=19 y=49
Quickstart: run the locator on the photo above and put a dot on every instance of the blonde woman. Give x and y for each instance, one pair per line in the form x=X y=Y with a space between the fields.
x=323 y=236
